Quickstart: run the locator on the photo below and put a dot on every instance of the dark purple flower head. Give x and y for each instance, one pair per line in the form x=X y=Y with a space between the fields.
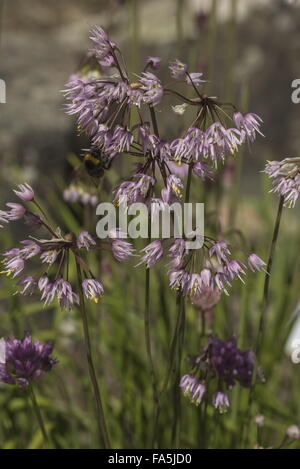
x=221 y=364
x=228 y=363
x=23 y=360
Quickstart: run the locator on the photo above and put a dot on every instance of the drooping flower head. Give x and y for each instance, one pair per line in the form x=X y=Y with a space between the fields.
x=122 y=250
x=153 y=254
x=25 y=192
x=285 y=177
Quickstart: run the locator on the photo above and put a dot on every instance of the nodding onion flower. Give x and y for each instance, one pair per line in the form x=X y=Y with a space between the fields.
x=54 y=254
x=285 y=177
x=212 y=273
x=102 y=97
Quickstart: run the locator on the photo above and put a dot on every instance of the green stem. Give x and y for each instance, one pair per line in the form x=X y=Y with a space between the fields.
x=100 y=412
x=265 y=303
x=38 y=414
x=179 y=343
x=147 y=320
x=149 y=355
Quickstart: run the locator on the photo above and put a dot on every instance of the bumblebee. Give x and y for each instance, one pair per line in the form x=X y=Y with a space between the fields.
x=96 y=163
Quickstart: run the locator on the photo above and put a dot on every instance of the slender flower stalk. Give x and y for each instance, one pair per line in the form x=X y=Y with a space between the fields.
x=38 y=414
x=180 y=342
x=265 y=303
x=100 y=412
x=147 y=320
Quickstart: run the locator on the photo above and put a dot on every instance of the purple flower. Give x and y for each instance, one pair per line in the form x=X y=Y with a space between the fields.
x=234 y=269
x=152 y=87
x=221 y=402
x=60 y=289
x=31 y=249
x=221 y=362
x=25 y=192
x=102 y=44
x=122 y=250
x=256 y=263
x=153 y=62
x=78 y=194
x=293 y=432
x=132 y=191
x=28 y=284
x=202 y=170
x=194 y=78
x=179 y=279
x=175 y=185
x=177 y=252
x=25 y=360
x=195 y=285
x=49 y=257
x=220 y=142
x=43 y=283
x=178 y=69
x=153 y=254
x=228 y=363
x=248 y=124
x=207 y=299
x=14 y=266
x=156 y=206
x=85 y=240
x=3 y=218
x=93 y=289
x=179 y=169
x=121 y=140
x=285 y=176
x=17 y=211
x=192 y=388
x=220 y=250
